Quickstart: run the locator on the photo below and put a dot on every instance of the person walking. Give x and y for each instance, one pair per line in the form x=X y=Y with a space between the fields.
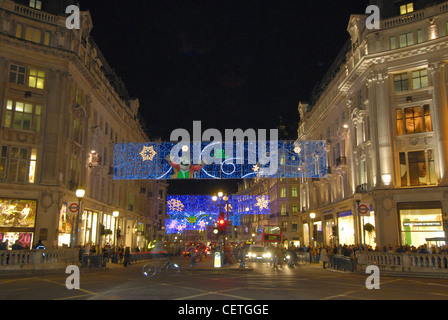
x=242 y=256
x=127 y=255
x=324 y=256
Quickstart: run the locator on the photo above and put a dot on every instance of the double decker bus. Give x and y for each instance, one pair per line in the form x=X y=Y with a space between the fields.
x=272 y=234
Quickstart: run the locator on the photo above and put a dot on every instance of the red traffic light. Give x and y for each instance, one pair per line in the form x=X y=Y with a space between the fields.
x=221 y=221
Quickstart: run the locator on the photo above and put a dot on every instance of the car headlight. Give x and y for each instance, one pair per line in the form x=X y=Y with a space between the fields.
x=287 y=257
x=267 y=255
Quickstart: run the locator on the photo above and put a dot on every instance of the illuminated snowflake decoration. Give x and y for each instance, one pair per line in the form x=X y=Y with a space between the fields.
x=202 y=224
x=147 y=153
x=256 y=168
x=262 y=202
x=175 y=205
x=228 y=207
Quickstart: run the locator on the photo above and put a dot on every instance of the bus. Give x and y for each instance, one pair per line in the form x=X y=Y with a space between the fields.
x=272 y=234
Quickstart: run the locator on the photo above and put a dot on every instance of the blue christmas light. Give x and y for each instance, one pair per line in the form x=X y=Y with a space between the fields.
x=198 y=212
x=152 y=160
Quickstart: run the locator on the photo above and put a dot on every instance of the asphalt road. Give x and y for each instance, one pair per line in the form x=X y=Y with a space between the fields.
x=260 y=283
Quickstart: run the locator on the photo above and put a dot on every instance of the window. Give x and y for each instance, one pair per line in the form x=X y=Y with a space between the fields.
x=36 y=79
x=420 y=79
x=22 y=116
x=417 y=168
x=406 y=39
x=17 y=74
x=294 y=191
x=283 y=192
x=17 y=164
x=19 y=31
x=413 y=120
x=283 y=210
x=401 y=82
x=392 y=42
x=407 y=8
x=32 y=34
x=295 y=209
x=36 y=4
x=419 y=36
x=47 y=38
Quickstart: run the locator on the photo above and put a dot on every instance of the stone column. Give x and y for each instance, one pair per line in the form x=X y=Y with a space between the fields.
x=440 y=118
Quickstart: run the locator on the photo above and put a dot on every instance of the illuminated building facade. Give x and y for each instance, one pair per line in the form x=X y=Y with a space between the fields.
x=62 y=110
x=382 y=108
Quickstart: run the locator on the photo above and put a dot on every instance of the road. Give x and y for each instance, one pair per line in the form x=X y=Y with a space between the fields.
x=305 y=282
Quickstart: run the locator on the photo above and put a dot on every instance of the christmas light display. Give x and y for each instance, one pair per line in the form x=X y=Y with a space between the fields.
x=197 y=212
x=205 y=160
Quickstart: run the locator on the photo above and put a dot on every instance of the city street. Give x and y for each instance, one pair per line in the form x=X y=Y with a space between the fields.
x=259 y=282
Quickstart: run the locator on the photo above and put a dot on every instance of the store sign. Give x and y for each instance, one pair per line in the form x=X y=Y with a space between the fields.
x=17 y=213
x=422 y=224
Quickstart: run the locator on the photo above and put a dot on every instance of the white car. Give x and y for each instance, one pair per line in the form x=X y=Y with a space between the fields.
x=257 y=253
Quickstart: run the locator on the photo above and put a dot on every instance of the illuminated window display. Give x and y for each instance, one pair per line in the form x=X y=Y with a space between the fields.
x=17 y=220
x=417 y=224
x=346 y=228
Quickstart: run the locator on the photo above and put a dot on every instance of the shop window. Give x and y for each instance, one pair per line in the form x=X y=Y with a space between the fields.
x=17 y=74
x=36 y=79
x=22 y=116
x=417 y=168
x=413 y=120
x=419 y=221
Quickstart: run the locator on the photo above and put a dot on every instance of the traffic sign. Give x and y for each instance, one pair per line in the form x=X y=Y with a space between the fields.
x=364 y=209
x=73 y=207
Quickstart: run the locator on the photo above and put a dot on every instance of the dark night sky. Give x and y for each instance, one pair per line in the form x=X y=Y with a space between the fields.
x=231 y=64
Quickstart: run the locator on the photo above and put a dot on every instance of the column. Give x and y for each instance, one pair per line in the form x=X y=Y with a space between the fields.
x=381 y=110
x=440 y=118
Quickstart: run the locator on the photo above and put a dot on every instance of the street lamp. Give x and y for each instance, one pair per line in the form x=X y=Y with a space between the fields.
x=358 y=196
x=80 y=193
x=312 y=216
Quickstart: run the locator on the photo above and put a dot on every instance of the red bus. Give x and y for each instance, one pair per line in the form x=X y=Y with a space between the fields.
x=272 y=234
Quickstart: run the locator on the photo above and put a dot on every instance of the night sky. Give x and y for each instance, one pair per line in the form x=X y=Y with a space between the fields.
x=230 y=64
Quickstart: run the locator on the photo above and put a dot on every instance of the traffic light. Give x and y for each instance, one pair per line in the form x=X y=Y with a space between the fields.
x=222 y=223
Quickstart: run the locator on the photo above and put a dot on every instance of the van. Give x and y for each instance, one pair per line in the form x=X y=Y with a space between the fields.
x=256 y=253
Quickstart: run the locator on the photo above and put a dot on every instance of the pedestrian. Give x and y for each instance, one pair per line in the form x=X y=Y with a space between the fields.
x=17 y=246
x=193 y=257
x=242 y=256
x=127 y=255
x=292 y=257
x=324 y=256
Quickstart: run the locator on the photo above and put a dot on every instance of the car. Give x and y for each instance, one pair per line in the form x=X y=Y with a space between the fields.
x=203 y=248
x=257 y=253
x=187 y=251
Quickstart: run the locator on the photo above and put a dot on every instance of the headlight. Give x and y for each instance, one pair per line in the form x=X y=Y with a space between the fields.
x=287 y=257
x=267 y=255
x=254 y=255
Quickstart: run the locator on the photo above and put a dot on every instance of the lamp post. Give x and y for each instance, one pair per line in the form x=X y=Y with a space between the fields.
x=116 y=214
x=312 y=217
x=358 y=197
x=80 y=193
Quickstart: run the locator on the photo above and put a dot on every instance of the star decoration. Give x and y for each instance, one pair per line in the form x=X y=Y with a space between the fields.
x=262 y=202
x=256 y=168
x=147 y=153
